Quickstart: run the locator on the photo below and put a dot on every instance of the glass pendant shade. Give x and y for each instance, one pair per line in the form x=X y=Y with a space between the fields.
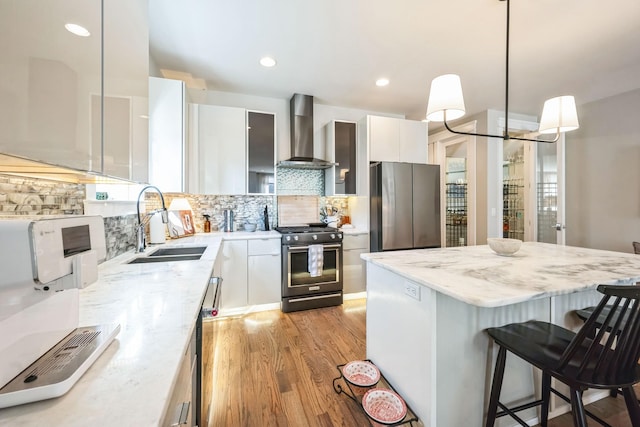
x=445 y=97
x=559 y=115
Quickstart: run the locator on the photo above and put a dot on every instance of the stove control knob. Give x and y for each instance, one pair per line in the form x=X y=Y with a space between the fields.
x=288 y=238
x=314 y=237
x=339 y=235
x=295 y=238
x=333 y=236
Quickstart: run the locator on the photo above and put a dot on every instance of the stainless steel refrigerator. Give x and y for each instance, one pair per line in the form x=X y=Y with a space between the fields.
x=404 y=206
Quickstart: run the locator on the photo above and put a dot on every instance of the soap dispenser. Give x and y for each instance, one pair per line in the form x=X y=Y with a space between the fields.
x=207 y=223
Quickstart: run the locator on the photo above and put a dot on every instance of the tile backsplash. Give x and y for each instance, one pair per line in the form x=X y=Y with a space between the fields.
x=28 y=196
x=299 y=182
x=245 y=208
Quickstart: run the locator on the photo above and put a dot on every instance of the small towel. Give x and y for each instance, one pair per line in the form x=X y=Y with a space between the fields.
x=316 y=259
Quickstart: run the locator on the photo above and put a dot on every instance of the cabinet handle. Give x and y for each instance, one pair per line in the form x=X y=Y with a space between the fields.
x=183 y=415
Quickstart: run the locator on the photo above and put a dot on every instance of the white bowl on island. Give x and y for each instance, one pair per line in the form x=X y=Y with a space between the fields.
x=504 y=246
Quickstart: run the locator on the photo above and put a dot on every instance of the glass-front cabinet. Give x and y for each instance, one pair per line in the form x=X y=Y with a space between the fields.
x=341 y=148
x=261 y=155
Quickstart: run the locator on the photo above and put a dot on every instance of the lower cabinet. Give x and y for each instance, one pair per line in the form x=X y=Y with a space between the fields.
x=264 y=271
x=180 y=410
x=234 y=274
x=353 y=245
x=251 y=270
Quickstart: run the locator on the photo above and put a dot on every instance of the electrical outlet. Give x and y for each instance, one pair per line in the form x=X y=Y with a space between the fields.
x=412 y=290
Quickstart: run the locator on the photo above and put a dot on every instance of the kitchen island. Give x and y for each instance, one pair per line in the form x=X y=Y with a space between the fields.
x=427 y=310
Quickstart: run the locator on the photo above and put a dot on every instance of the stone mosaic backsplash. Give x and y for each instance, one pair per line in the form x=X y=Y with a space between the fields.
x=299 y=182
x=27 y=196
x=245 y=208
x=120 y=234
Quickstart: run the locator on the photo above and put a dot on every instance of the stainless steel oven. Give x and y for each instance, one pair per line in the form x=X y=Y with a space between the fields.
x=302 y=290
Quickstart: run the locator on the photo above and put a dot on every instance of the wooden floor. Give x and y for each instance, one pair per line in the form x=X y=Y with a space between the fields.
x=276 y=369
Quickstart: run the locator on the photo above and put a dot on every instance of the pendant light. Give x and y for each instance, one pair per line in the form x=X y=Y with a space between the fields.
x=447 y=103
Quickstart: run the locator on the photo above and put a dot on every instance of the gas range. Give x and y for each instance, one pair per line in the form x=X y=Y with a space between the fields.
x=309 y=235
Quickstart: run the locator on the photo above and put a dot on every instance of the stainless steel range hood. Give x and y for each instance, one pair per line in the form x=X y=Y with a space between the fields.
x=301 y=119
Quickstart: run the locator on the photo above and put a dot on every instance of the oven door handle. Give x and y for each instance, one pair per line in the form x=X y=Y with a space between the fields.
x=306 y=248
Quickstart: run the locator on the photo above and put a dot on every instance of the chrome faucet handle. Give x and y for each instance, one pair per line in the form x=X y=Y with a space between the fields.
x=165 y=216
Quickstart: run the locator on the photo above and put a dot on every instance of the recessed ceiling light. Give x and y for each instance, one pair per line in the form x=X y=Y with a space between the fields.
x=267 y=61
x=77 y=30
x=382 y=82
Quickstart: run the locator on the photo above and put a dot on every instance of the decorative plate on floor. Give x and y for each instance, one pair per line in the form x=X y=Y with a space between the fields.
x=384 y=406
x=361 y=373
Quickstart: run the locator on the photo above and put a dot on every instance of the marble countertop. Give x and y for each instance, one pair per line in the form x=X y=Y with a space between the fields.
x=156 y=305
x=477 y=276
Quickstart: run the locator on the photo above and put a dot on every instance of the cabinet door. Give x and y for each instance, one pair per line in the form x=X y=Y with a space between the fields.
x=413 y=141
x=354 y=275
x=222 y=150
x=126 y=88
x=181 y=396
x=49 y=76
x=234 y=274
x=341 y=148
x=166 y=134
x=264 y=279
x=261 y=152
x=383 y=139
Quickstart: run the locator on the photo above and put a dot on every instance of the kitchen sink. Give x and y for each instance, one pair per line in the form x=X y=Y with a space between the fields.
x=179 y=250
x=165 y=258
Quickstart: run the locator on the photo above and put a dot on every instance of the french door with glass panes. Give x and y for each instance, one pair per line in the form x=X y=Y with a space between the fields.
x=533 y=190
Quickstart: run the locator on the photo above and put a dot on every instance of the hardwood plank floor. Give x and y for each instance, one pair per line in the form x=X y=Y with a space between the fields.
x=276 y=369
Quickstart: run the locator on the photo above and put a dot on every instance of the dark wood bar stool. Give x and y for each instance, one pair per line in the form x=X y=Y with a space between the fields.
x=636 y=248
x=578 y=360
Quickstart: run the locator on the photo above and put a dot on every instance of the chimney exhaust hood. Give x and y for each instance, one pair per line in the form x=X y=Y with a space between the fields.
x=301 y=120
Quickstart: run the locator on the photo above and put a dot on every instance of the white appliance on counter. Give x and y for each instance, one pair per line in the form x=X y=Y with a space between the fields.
x=43 y=264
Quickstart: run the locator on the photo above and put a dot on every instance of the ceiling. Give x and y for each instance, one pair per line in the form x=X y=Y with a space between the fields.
x=335 y=49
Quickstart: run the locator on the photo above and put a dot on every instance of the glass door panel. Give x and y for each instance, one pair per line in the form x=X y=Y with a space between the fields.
x=550 y=192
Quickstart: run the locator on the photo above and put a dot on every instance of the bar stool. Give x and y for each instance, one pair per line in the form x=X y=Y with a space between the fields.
x=578 y=360
x=636 y=248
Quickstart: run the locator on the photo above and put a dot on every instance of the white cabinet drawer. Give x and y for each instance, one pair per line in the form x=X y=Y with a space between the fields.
x=355 y=241
x=264 y=246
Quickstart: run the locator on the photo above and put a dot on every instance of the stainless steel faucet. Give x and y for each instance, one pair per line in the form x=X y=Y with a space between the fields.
x=141 y=238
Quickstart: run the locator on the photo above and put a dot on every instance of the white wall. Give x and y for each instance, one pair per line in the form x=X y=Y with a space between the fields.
x=603 y=174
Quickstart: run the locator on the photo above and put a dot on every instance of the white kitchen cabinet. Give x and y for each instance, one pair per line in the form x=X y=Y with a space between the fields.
x=234 y=274
x=219 y=138
x=397 y=140
x=125 y=125
x=341 y=148
x=383 y=135
x=354 y=278
x=180 y=409
x=413 y=141
x=264 y=271
x=167 y=164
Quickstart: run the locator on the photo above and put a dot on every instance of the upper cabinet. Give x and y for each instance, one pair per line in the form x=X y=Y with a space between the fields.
x=52 y=107
x=48 y=79
x=167 y=131
x=341 y=145
x=261 y=152
x=126 y=87
x=218 y=134
x=397 y=140
x=231 y=150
